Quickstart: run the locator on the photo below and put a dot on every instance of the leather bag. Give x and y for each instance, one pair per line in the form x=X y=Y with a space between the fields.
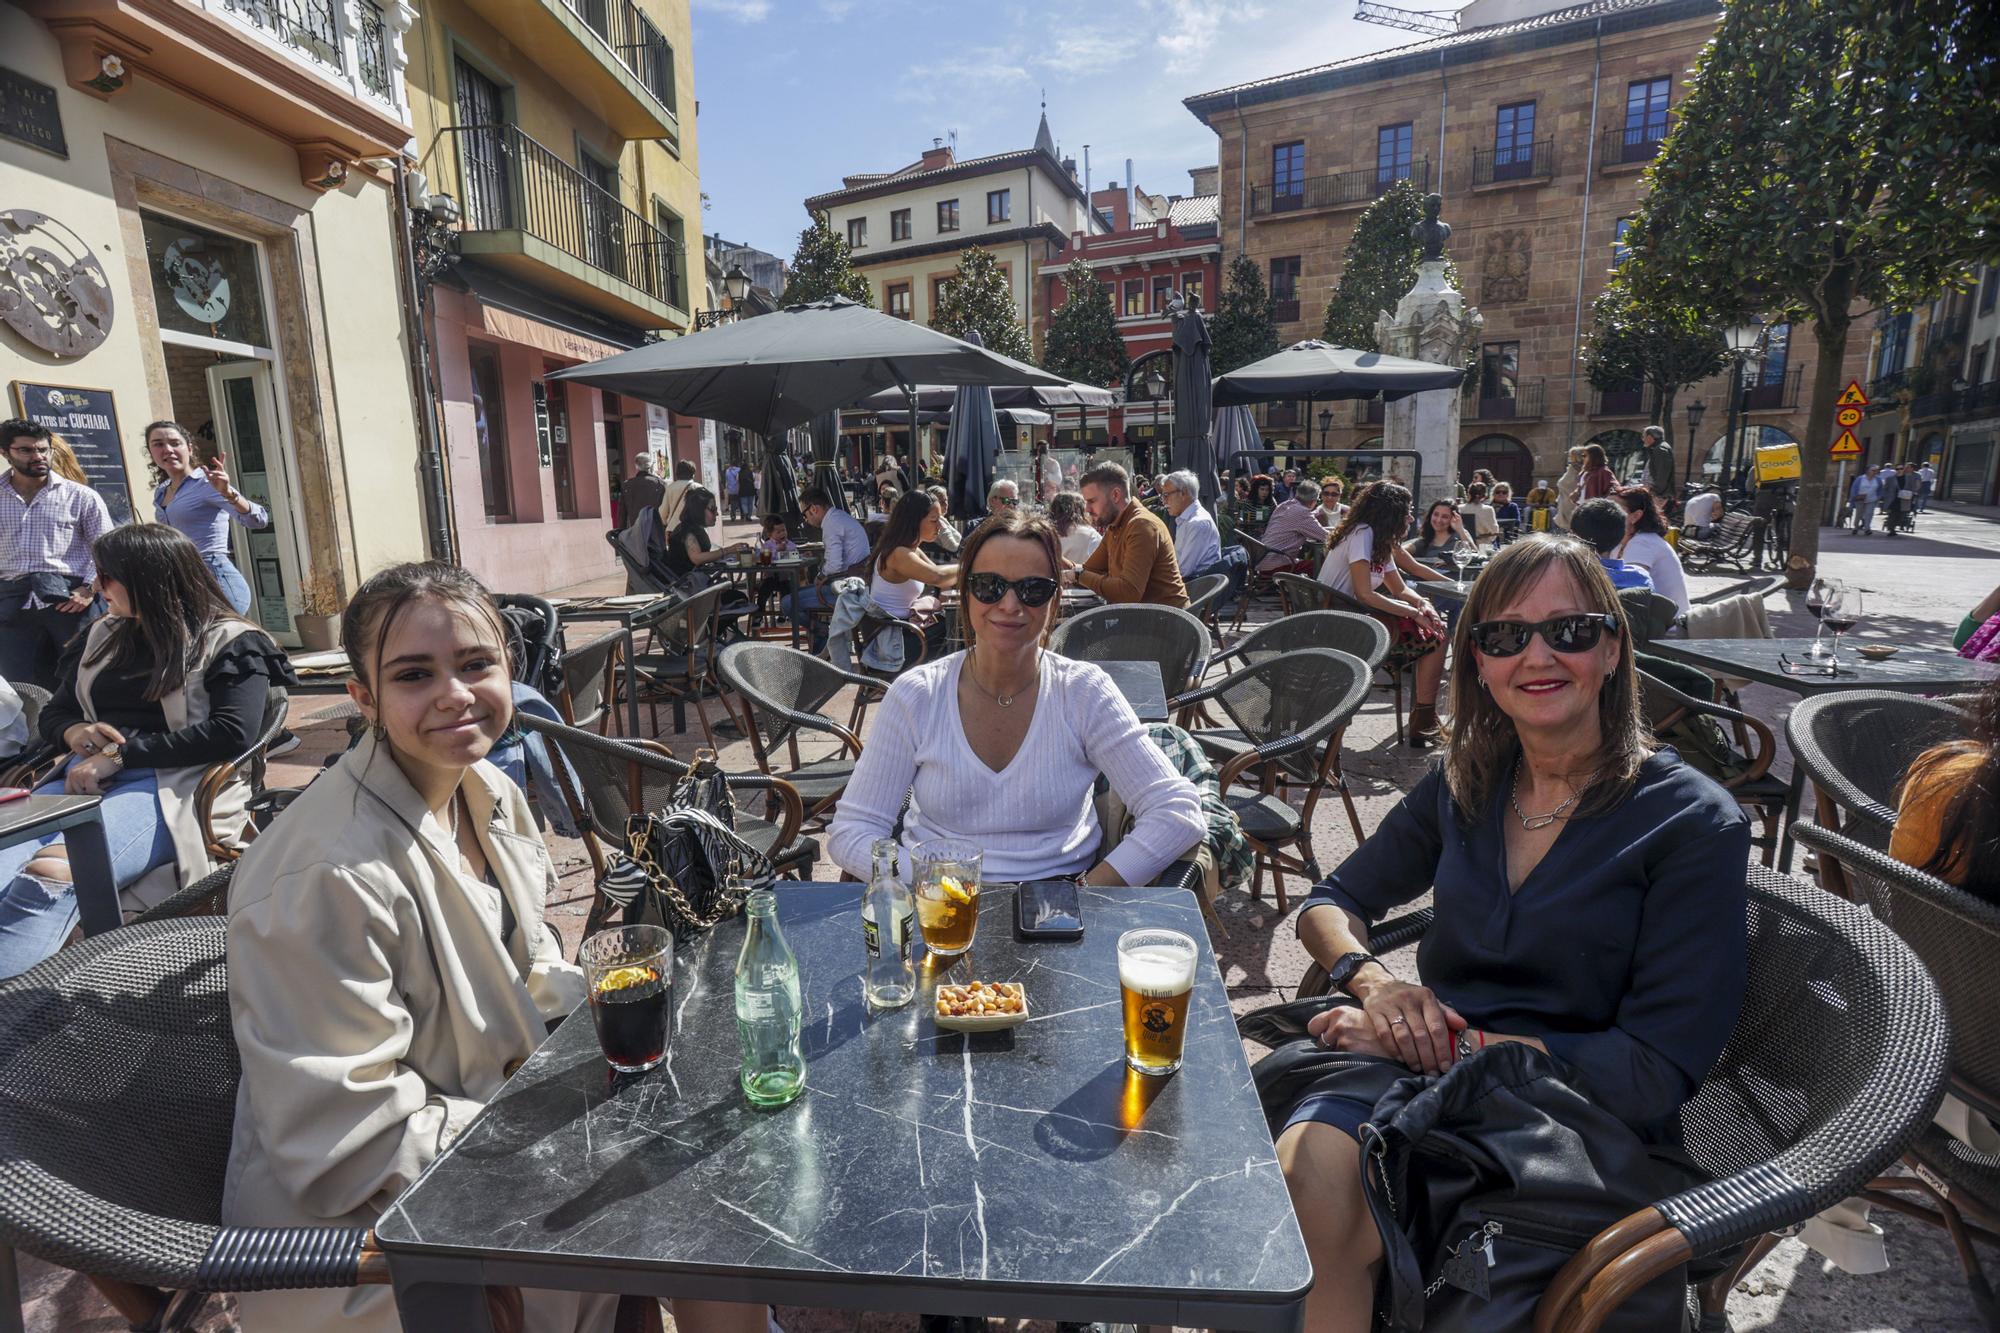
x=676 y=868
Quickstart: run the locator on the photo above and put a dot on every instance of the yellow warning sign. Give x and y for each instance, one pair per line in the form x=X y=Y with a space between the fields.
x=1852 y=396
x=1846 y=446
x=1848 y=416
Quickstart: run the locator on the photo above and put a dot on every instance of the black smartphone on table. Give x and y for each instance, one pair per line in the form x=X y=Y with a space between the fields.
x=1048 y=909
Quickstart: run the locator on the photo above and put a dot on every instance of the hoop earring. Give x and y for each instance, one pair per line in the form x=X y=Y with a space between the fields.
x=379 y=732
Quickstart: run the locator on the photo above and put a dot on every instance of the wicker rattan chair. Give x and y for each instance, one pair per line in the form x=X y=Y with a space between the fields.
x=1292 y=709
x=782 y=691
x=1856 y=745
x=1205 y=596
x=1138 y=633
x=590 y=677
x=1298 y=592
x=1648 y=613
x=1340 y=601
x=1837 y=1063
x=1254 y=583
x=680 y=666
x=637 y=577
x=128 y=1030
x=1957 y=936
x=623 y=777
x=1746 y=774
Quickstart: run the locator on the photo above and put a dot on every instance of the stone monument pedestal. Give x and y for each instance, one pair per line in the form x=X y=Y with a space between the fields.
x=1432 y=323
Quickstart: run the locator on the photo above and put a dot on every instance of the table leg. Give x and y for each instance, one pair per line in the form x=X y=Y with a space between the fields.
x=1794 y=794
x=90 y=869
x=427 y=1306
x=631 y=682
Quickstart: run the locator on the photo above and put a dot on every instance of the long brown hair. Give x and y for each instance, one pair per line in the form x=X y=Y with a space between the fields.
x=1011 y=523
x=175 y=599
x=1480 y=754
x=1384 y=507
x=1969 y=831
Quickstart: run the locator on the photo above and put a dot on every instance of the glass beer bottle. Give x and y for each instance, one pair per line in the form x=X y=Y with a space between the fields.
x=768 y=1007
x=888 y=913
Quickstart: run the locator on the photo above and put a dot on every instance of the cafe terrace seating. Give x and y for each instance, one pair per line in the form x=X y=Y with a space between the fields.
x=1128 y=632
x=781 y=692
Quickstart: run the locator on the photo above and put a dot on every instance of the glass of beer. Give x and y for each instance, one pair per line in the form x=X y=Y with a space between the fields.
x=947 y=892
x=1155 y=980
x=630 y=972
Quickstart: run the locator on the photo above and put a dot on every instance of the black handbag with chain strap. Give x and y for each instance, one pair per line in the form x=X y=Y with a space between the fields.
x=676 y=868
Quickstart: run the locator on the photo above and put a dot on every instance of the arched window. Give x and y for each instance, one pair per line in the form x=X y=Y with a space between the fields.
x=1502 y=455
x=1748 y=438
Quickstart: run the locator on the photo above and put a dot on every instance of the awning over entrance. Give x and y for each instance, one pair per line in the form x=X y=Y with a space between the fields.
x=513 y=312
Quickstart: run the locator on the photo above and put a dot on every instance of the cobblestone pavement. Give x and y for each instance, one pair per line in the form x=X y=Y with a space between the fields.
x=1916 y=589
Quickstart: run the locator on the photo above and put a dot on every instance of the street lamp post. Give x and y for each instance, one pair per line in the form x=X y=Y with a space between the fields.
x=1325 y=424
x=1696 y=411
x=1746 y=345
x=737 y=283
x=1156 y=389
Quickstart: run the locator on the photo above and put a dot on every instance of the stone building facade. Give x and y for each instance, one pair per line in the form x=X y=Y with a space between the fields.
x=1535 y=121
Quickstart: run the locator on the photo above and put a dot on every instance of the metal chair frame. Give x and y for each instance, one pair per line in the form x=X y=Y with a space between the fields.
x=1666 y=706
x=789 y=721
x=692 y=643
x=1073 y=638
x=590 y=683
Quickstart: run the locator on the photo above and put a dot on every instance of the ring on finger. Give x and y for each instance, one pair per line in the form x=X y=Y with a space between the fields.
x=1400 y=1019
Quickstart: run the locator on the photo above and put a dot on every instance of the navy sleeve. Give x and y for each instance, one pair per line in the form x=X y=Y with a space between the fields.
x=1688 y=967
x=1398 y=861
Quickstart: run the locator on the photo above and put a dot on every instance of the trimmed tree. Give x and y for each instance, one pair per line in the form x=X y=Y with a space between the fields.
x=824 y=267
x=1378 y=267
x=980 y=297
x=1245 y=326
x=1655 y=343
x=1830 y=155
x=1084 y=343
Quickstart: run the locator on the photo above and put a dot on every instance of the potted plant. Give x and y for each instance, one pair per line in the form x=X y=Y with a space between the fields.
x=318 y=620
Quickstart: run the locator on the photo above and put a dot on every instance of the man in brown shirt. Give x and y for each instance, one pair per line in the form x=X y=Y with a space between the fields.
x=1135 y=561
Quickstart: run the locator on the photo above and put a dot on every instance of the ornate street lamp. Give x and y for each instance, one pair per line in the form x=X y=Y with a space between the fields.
x=1696 y=411
x=1325 y=424
x=737 y=283
x=1746 y=346
x=1156 y=389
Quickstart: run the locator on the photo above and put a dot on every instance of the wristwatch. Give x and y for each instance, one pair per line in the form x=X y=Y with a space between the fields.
x=1346 y=966
x=114 y=752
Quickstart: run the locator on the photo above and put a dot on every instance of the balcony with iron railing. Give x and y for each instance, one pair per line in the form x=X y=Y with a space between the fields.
x=1633 y=145
x=528 y=211
x=1522 y=164
x=1632 y=401
x=1345 y=189
x=606 y=51
x=1780 y=394
x=1971 y=401
x=1496 y=402
x=1285 y=311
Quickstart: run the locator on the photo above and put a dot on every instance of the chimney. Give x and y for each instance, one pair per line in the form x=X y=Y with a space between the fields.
x=939 y=154
x=1131 y=197
x=1203 y=179
x=1069 y=165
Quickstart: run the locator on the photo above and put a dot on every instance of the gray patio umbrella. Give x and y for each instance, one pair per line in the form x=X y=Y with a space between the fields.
x=1051 y=397
x=1235 y=434
x=825 y=450
x=781 y=480
x=971 y=447
x=783 y=369
x=1317 y=370
x=1193 y=413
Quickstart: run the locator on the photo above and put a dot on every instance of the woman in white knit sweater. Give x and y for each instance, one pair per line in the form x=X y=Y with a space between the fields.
x=1002 y=743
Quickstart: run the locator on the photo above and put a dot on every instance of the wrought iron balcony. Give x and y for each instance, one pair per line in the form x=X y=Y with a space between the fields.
x=1780 y=395
x=1335 y=191
x=1285 y=312
x=319 y=31
x=639 y=45
x=1973 y=400
x=510 y=183
x=1524 y=162
x=1627 y=402
x=1634 y=143
x=608 y=51
x=1523 y=404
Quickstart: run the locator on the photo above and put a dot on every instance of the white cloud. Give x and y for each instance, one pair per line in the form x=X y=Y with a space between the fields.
x=743 y=11
x=836 y=9
x=947 y=80
x=1187 y=28
x=1091 y=52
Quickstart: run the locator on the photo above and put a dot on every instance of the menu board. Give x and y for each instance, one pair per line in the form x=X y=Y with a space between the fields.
x=87 y=421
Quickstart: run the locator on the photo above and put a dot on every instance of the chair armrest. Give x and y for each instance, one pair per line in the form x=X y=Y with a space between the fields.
x=289 y=1259
x=1767 y=741
x=1182 y=875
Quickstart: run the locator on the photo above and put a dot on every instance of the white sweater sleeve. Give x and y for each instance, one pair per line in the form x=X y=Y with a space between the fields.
x=881 y=779
x=1167 y=821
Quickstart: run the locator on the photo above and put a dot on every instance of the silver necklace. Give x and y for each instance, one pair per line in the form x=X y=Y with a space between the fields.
x=1004 y=700
x=1532 y=822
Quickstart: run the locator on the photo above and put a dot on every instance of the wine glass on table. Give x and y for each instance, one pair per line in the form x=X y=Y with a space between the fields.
x=1816 y=607
x=1841 y=613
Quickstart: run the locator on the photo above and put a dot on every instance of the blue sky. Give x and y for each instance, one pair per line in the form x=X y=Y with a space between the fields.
x=796 y=93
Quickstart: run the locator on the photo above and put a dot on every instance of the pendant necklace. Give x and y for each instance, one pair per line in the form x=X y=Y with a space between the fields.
x=1004 y=700
x=1532 y=822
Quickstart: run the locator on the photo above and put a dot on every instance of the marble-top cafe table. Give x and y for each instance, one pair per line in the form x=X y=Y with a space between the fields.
x=1019 y=1174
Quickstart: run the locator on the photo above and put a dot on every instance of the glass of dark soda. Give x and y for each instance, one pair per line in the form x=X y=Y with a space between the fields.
x=630 y=973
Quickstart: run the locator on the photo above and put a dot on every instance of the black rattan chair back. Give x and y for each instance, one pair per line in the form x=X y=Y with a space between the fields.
x=685 y=625
x=1856 y=745
x=1358 y=636
x=1205 y=596
x=1138 y=633
x=779 y=684
x=118 y=1074
x=1289 y=704
x=618 y=780
x=637 y=577
x=1838 y=1059
x=587 y=674
x=1298 y=594
x=1955 y=934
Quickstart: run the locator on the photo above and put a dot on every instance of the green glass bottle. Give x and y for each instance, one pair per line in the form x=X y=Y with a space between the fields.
x=768 y=1007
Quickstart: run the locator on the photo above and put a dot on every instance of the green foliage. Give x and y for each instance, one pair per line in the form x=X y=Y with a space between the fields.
x=1830 y=155
x=1653 y=342
x=981 y=298
x=1245 y=327
x=1084 y=343
x=824 y=267
x=1378 y=268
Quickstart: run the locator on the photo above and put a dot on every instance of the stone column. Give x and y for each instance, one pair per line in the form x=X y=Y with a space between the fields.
x=1432 y=323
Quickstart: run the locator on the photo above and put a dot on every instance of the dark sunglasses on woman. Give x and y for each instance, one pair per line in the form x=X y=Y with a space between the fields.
x=990 y=588
x=1566 y=634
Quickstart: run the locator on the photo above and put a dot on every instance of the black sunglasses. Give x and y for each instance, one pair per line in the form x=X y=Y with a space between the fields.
x=990 y=588
x=1565 y=634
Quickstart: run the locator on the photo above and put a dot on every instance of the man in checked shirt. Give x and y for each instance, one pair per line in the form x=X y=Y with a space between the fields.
x=47 y=524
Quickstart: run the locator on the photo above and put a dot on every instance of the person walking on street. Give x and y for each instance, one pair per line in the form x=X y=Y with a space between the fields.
x=1926 y=480
x=1598 y=480
x=1861 y=499
x=1898 y=493
x=672 y=493
x=644 y=491
x=47 y=526
x=1659 y=463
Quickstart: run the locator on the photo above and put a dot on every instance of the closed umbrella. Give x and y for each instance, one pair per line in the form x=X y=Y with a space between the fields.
x=782 y=369
x=825 y=452
x=1193 y=413
x=781 y=480
x=971 y=448
x=1235 y=436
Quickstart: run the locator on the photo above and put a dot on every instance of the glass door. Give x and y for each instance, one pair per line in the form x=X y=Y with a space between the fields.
x=243 y=398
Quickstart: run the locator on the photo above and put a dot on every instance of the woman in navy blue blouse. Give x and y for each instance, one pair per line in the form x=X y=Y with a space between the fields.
x=1590 y=895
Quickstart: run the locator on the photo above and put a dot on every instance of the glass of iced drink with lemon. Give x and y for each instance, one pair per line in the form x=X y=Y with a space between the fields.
x=948 y=894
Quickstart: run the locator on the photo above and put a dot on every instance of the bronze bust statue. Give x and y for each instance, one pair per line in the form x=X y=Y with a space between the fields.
x=1431 y=234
